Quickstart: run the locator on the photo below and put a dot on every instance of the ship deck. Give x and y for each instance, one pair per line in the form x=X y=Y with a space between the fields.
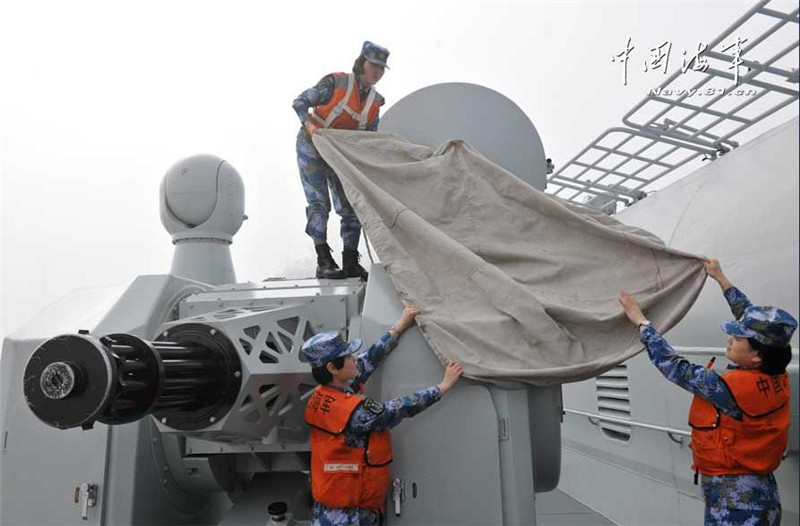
x=556 y=508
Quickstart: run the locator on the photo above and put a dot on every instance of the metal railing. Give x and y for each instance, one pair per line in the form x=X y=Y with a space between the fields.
x=694 y=351
x=676 y=435
x=623 y=162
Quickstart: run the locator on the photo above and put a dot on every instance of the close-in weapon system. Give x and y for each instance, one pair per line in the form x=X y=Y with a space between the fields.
x=180 y=398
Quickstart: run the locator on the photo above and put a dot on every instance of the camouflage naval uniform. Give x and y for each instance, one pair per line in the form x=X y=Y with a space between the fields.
x=733 y=500
x=317 y=176
x=363 y=421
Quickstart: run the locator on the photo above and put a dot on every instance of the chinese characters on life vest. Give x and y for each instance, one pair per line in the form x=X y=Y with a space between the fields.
x=774 y=386
x=320 y=403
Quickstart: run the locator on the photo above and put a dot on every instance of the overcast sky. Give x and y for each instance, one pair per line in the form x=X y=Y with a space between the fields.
x=99 y=99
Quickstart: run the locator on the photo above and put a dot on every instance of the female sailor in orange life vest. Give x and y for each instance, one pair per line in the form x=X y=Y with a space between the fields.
x=739 y=420
x=350 y=443
x=346 y=102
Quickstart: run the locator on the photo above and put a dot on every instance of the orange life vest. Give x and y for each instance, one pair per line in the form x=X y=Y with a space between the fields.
x=344 y=476
x=346 y=110
x=722 y=445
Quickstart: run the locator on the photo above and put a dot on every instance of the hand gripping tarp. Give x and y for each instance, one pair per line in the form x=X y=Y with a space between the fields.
x=513 y=284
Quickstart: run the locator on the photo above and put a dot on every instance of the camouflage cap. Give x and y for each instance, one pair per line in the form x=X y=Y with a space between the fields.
x=375 y=53
x=767 y=325
x=326 y=346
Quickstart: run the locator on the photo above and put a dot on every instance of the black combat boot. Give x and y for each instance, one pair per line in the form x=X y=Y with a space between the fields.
x=350 y=265
x=326 y=266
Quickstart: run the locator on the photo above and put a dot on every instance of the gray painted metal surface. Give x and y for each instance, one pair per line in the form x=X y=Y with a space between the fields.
x=513 y=433
x=477 y=457
x=151 y=473
x=41 y=466
x=449 y=494
x=250 y=506
x=484 y=118
x=267 y=324
x=753 y=230
x=201 y=202
x=32 y=491
x=556 y=508
x=148 y=472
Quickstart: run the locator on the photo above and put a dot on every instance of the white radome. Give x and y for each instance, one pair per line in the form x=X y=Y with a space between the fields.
x=201 y=204
x=202 y=196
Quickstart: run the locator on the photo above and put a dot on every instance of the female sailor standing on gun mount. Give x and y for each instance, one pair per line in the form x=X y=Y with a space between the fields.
x=739 y=420
x=345 y=102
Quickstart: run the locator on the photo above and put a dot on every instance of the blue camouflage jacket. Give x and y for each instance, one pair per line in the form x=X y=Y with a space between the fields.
x=696 y=379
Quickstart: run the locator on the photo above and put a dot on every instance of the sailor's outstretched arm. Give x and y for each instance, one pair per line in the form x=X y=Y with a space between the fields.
x=374 y=416
x=736 y=299
x=696 y=379
x=369 y=360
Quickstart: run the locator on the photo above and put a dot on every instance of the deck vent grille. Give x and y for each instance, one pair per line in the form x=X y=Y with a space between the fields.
x=613 y=401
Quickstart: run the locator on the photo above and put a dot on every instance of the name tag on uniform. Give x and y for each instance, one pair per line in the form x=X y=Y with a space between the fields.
x=342 y=467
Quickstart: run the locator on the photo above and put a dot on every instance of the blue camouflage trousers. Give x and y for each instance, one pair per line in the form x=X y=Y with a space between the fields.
x=323 y=516
x=741 y=500
x=317 y=178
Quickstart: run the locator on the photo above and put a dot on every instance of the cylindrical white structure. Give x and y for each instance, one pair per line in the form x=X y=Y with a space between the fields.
x=202 y=207
x=742 y=210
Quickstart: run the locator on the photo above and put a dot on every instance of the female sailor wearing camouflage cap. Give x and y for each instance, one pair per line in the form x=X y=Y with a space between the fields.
x=345 y=101
x=739 y=420
x=350 y=442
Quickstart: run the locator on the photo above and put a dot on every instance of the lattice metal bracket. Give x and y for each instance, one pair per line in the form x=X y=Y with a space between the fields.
x=664 y=134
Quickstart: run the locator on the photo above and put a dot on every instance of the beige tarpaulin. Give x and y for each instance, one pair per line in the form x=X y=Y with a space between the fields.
x=515 y=285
